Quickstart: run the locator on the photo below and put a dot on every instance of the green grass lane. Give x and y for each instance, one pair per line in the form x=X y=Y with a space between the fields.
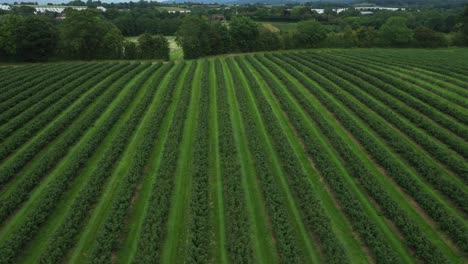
x=176 y=55
x=85 y=241
x=262 y=237
x=339 y=223
x=127 y=251
x=312 y=252
x=35 y=247
x=370 y=210
x=175 y=246
x=216 y=184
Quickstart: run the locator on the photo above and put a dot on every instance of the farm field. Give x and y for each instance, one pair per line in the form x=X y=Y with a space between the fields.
x=327 y=156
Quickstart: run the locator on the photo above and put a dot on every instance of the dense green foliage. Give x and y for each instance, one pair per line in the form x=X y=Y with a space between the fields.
x=331 y=156
x=203 y=30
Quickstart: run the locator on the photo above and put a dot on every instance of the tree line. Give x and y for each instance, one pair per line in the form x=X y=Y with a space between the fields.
x=94 y=35
x=82 y=35
x=198 y=36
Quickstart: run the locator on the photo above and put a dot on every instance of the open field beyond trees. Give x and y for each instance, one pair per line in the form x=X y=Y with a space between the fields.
x=328 y=156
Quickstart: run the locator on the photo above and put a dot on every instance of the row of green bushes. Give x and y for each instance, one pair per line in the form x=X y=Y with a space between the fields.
x=446 y=221
x=154 y=227
x=315 y=217
x=110 y=230
x=238 y=245
x=53 y=193
x=65 y=236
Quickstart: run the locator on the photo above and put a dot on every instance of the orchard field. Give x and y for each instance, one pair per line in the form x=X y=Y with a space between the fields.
x=329 y=156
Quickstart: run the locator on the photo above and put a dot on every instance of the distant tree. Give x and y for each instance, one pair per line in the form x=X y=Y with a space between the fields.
x=427 y=38
x=244 y=33
x=268 y=40
x=288 y=39
x=301 y=12
x=23 y=10
x=465 y=24
x=8 y=26
x=193 y=37
x=309 y=34
x=36 y=39
x=367 y=36
x=112 y=44
x=350 y=37
x=153 y=47
x=219 y=39
x=130 y=50
x=85 y=35
x=395 y=32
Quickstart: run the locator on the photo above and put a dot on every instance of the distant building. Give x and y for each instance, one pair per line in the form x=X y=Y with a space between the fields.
x=103 y=9
x=5 y=7
x=58 y=10
x=180 y=11
x=321 y=11
x=365 y=10
x=374 y=8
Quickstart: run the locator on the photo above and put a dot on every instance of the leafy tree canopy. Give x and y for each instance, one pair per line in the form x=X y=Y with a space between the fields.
x=395 y=32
